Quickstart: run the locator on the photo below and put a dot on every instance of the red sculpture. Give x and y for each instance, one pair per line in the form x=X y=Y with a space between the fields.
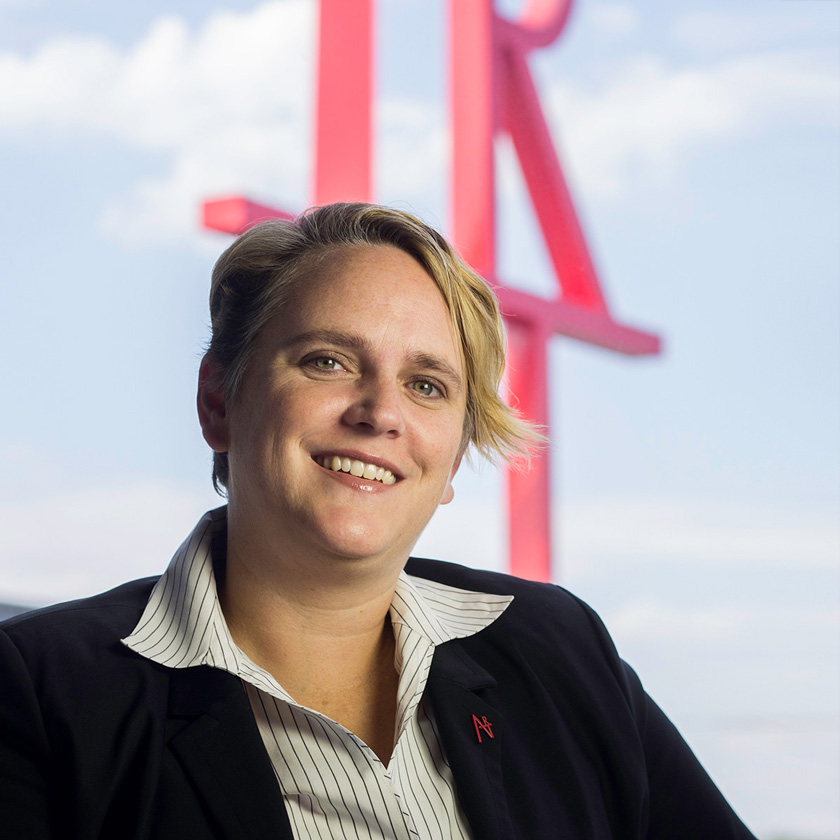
x=491 y=92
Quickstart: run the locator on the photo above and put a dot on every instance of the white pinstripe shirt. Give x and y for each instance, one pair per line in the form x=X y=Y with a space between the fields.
x=333 y=784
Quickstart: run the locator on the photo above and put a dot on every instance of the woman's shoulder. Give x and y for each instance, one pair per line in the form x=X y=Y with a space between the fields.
x=86 y=623
x=541 y=608
x=66 y=665
x=557 y=640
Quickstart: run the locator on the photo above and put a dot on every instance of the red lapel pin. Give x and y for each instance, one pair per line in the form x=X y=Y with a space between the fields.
x=482 y=725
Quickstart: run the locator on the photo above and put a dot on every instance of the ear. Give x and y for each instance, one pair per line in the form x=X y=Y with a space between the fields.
x=449 y=491
x=212 y=409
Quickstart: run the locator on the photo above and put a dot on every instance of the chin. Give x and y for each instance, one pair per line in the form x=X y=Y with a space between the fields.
x=360 y=543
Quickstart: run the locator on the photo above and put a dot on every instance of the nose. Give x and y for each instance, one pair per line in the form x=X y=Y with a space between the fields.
x=377 y=408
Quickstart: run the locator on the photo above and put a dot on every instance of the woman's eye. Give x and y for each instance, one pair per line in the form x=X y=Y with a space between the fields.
x=324 y=363
x=424 y=388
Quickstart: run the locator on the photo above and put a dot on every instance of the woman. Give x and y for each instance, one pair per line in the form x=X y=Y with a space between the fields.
x=293 y=673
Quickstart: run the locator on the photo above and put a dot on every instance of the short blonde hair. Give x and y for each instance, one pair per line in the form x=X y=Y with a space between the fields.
x=253 y=278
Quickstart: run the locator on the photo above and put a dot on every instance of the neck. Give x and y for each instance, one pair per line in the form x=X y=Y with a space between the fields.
x=321 y=630
x=272 y=612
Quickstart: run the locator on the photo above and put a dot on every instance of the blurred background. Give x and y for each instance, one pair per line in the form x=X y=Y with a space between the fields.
x=696 y=494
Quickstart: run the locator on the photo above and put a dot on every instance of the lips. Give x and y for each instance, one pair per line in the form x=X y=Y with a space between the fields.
x=357 y=468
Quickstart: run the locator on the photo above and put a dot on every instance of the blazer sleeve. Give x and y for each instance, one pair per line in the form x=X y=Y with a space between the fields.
x=684 y=802
x=25 y=808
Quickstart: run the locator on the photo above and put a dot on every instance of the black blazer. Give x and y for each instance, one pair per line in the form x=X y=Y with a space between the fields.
x=98 y=742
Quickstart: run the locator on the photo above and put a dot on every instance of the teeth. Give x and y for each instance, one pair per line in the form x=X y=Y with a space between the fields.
x=358 y=468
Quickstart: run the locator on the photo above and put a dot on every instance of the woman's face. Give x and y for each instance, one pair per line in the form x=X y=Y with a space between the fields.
x=361 y=370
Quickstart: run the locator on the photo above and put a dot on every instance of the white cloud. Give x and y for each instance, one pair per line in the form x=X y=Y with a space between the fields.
x=257 y=161
x=226 y=107
x=648 y=116
x=692 y=531
x=76 y=543
x=652 y=620
x=172 y=86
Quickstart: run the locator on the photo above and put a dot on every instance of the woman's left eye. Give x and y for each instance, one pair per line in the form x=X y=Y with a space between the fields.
x=325 y=363
x=425 y=388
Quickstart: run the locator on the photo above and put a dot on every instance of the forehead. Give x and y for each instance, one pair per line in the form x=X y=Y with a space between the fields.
x=378 y=290
x=375 y=272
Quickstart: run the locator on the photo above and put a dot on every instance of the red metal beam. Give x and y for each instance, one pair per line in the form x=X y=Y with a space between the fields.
x=575 y=321
x=235 y=214
x=344 y=117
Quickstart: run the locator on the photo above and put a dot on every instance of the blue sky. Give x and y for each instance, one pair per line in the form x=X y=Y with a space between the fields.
x=697 y=493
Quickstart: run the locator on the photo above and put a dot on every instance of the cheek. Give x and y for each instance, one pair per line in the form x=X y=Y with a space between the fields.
x=442 y=445
x=255 y=434
x=287 y=422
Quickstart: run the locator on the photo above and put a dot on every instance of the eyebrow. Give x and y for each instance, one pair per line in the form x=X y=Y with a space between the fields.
x=354 y=341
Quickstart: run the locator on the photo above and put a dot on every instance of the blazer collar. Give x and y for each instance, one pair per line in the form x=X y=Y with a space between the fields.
x=472 y=733
x=219 y=746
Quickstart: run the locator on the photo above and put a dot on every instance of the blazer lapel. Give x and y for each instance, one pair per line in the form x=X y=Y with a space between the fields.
x=473 y=735
x=222 y=752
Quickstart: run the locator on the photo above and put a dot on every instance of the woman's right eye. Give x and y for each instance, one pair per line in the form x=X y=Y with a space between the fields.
x=324 y=363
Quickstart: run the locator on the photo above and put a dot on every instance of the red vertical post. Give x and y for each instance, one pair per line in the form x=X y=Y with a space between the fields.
x=344 y=117
x=473 y=118
x=528 y=493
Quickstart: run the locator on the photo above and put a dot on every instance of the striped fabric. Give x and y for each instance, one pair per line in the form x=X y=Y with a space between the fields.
x=333 y=784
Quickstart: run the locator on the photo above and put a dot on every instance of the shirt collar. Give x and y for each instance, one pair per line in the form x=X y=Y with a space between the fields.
x=183 y=626
x=442 y=613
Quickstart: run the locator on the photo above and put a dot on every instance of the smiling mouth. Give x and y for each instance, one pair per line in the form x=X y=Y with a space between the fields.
x=360 y=469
